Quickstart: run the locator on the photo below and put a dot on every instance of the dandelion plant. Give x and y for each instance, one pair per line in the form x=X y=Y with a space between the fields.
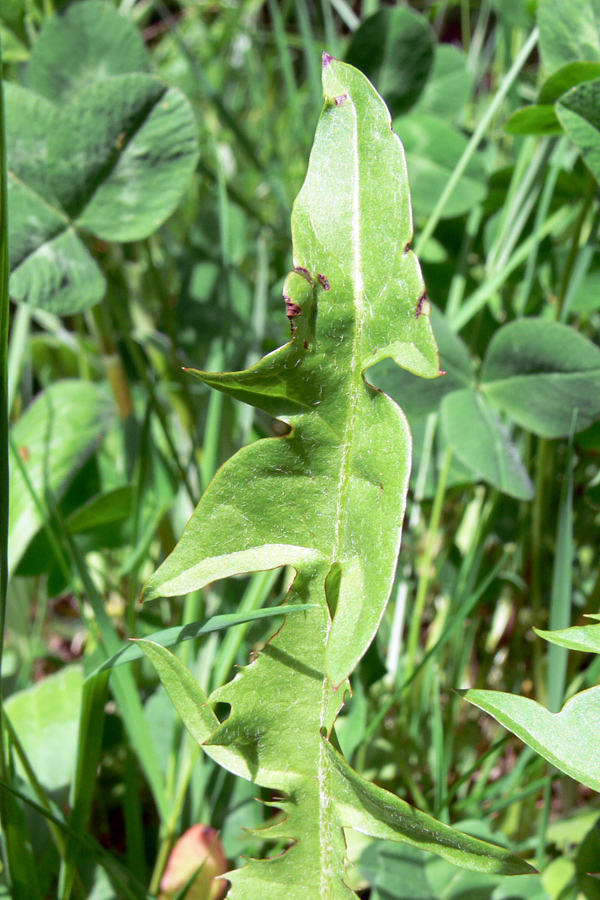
x=328 y=500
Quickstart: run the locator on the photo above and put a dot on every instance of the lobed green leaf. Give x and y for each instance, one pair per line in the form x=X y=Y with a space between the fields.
x=569 y=739
x=327 y=499
x=580 y=637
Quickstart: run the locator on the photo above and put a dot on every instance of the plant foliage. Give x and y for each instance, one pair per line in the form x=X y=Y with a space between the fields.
x=328 y=499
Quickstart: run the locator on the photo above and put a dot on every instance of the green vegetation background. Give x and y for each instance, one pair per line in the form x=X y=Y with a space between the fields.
x=112 y=443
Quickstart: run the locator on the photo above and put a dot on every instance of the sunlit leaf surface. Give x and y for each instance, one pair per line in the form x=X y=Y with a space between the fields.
x=327 y=499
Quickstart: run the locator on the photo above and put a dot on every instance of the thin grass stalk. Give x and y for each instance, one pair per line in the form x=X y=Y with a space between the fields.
x=438 y=746
x=286 y=63
x=424 y=463
x=331 y=36
x=19 y=340
x=311 y=52
x=580 y=267
x=560 y=617
x=465 y=610
x=473 y=144
x=129 y=888
x=17 y=858
x=517 y=190
x=524 y=289
x=101 y=625
x=89 y=746
x=588 y=199
x=465 y=24
x=123 y=684
x=4 y=424
x=493 y=753
x=479 y=297
x=55 y=832
x=459 y=278
x=347 y=14
x=426 y=564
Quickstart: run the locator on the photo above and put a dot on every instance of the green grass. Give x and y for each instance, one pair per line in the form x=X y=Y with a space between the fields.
x=478 y=567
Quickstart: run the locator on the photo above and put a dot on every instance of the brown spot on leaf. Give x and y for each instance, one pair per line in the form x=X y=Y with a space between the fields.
x=420 y=305
x=407 y=248
x=326 y=59
x=24 y=453
x=324 y=282
x=304 y=272
x=339 y=101
x=292 y=310
x=305 y=345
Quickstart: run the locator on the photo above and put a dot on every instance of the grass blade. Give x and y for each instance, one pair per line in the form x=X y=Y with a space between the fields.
x=473 y=144
x=171 y=636
x=91 y=726
x=20 y=871
x=128 y=888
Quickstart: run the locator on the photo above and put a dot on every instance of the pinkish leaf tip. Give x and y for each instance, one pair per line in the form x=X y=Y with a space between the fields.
x=326 y=59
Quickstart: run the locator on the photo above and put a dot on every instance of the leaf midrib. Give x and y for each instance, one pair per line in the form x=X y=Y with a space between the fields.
x=356 y=385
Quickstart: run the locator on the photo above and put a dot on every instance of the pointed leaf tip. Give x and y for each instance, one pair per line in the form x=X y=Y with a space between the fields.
x=326 y=59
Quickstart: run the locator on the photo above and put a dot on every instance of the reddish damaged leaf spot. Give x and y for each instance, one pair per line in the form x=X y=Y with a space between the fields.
x=324 y=282
x=421 y=306
x=326 y=59
x=341 y=99
x=305 y=273
x=292 y=310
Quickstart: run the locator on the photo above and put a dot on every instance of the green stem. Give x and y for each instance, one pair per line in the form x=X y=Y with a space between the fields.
x=588 y=199
x=524 y=289
x=18 y=343
x=581 y=267
x=9 y=834
x=537 y=531
x=426 y=564
x=473 y=144
x=139 y=362
x=479 y=298
x=460 y=617
x=465 y=24
x=540 y=858
x=459 y=278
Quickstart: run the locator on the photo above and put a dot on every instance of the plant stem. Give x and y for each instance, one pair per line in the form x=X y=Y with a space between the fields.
x=479 y=297
x=588 y=199
x=10 y=835
x=473 y=144
x=426 y=563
